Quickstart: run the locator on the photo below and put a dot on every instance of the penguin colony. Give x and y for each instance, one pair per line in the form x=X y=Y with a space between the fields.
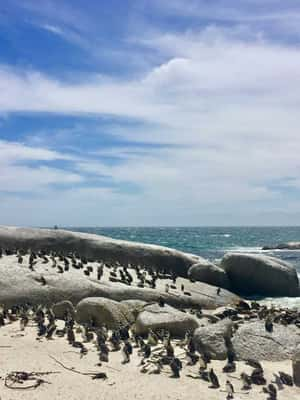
x=158 y=351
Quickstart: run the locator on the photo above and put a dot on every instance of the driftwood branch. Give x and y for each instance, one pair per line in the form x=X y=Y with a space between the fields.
x=94 y=375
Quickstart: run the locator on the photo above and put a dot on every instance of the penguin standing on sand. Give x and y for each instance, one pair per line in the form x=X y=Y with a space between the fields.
x=103 y=355
x=176 y=366
x=229 y=390
x=70 y=335
x=213 y=379
x=246 y=381
x=24 y=321
x=126 y=351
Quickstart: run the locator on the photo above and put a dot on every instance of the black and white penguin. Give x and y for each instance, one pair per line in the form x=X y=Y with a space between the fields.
x=213 y=379
x=229 y=390
x=176 y=367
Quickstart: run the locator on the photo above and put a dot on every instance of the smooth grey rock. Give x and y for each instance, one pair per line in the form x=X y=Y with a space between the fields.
x=296 y=366
x=103 y=312
x=211 y=338
x=253 y=274
x=135 y=306
x=19 y=285
x=209 y=273
x=60 y=309
x=155 y=317
x=96 y=247
x=252 y=341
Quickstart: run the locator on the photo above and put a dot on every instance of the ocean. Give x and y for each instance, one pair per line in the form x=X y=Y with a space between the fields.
x=213 y=242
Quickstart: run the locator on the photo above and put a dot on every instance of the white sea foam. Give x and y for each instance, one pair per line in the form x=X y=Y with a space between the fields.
x=245 y=249
x=290 y=302
x=226 y=235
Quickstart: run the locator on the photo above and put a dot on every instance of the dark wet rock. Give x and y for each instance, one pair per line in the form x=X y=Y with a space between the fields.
x=253 y=341
x=283 y=246
x=253 y=274
x=156 y=318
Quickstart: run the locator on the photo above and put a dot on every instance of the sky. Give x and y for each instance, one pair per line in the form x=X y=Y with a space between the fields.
x=149 y=112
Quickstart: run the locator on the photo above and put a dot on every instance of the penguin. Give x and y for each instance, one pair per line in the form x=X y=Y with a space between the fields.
x=269 y=324
x=115 y=341
x=70 y=335
x=278 y=381
x=169 y=348
x=246 y=381
x=286 y=379
x=176 y=366
x=146 y=349
x=50 y=330
x=124 y=333
x=229 y=390
x=161 y=301
x=60 y=269
x=83 y=351
x=271 y=389
x=182 y=287
x=103 y=355
x=126 y=351
x=24 y=321
x=218 y=291
x=41 y=329
x=2 y=320
x=257 y=377
x=191 y=358
x=202 y=364
x=229 y=367
x=213 y=379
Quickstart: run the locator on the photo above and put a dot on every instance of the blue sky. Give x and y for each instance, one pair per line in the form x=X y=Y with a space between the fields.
x=182 y=112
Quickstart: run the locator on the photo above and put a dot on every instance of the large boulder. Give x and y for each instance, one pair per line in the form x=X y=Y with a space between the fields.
x=252 y=341
x=103 y=312
x=19 y=285
x=155 y=317
x=207 y=272
x=96 y=247
x=62 y=308
x=211 y=338
x=135 y=306
x=256 y=274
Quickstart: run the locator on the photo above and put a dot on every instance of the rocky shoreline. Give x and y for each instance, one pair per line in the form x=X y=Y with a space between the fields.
x=51 y=278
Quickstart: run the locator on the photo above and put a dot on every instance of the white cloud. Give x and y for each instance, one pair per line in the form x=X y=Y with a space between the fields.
x=230 y=106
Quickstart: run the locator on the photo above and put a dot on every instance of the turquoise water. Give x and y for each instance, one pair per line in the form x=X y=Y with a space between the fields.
x=210 y=242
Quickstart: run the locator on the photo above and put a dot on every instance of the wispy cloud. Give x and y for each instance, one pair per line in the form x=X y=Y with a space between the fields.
x=219 y=105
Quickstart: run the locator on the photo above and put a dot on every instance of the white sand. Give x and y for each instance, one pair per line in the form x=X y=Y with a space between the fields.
x=28 y=354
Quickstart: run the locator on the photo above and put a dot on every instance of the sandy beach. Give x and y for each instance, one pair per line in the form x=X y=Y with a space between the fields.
x=25 y=353
x=67 y=374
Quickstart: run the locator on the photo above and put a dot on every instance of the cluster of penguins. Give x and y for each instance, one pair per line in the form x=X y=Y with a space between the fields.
x=144 y=276
x=156 y=350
